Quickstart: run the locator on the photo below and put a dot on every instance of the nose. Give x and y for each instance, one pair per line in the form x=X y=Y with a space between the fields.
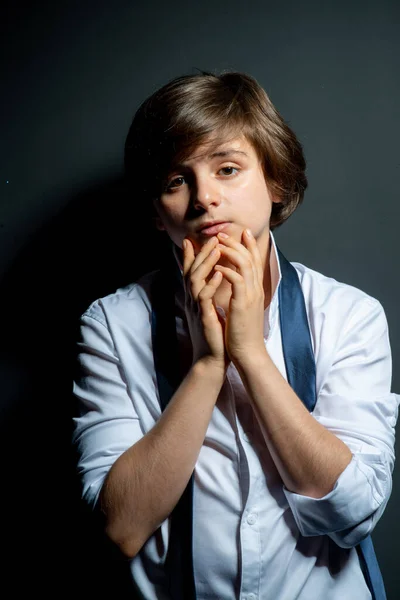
x=206 y=192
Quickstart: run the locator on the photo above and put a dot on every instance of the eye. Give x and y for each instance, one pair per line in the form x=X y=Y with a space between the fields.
x=228 y=170
x=175 y=183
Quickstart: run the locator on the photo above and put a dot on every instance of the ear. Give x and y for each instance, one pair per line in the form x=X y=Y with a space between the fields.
x=158 y=223
x=274 y=195
x=276 y=199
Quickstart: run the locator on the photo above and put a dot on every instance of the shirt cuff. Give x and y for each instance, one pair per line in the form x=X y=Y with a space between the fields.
x=348 y=512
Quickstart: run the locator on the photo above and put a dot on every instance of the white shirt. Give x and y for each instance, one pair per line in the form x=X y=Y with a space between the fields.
x=253 y=538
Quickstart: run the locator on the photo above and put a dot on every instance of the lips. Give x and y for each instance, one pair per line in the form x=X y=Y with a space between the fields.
x=213 y=227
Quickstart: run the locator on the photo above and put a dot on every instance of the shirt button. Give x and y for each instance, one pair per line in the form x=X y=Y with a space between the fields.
x=251 y=519
x=246 y=437
x=251 y=597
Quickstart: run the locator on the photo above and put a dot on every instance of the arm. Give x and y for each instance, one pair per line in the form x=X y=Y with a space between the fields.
x=335 y=464
x=145 y=480
x=145 y=483
x=309 y=458
x=356 y=404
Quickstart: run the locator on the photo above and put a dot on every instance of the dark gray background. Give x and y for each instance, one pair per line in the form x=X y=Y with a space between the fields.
x=73 y=73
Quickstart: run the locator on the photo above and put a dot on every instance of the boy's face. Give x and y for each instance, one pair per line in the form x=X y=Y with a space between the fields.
x=224 y=185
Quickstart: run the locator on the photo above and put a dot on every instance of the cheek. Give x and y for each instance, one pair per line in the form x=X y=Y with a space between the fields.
x=252 y=198
x=171 y=219
x=171 y=212
x=251 y=190
x=165 y=220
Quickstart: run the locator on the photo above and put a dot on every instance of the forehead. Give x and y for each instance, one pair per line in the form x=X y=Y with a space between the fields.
x=215 y=147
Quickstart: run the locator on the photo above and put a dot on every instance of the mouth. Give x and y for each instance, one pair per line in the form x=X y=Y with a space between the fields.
x=212 y=228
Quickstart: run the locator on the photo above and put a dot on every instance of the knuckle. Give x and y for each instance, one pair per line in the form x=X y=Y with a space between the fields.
x=192 y=285
x=203 y=294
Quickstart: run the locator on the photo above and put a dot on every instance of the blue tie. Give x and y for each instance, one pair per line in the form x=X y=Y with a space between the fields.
x=300 y=368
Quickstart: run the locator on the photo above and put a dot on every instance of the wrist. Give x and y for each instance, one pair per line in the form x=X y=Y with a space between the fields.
x=210 y=367
x=252 y=360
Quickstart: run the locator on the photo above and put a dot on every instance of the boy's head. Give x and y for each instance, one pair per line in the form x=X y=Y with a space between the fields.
x=207 y=109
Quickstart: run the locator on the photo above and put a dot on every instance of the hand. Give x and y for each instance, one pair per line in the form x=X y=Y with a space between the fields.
x=244 y=328
x=206 y=327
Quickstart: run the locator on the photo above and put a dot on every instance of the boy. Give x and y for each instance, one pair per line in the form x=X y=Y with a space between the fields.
x=246 y=451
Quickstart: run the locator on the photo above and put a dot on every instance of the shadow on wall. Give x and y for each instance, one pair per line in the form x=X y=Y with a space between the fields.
x=97 y=244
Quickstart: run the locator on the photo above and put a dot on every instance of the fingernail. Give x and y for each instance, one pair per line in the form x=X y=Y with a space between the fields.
x=249 y=233
x=221 y=311
x=184 y=244
x=223 y=235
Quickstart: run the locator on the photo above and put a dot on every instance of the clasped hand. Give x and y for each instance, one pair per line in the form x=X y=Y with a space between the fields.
x=241 y=334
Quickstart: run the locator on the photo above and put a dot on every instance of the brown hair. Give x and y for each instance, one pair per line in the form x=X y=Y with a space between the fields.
x=192 y=110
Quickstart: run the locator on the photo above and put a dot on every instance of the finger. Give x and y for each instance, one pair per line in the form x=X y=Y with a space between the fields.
x=251 y=244
x=188 y=256
x=223 y=238
x=242 y=261
x=256 y=275
x=201 y=276
x=191 y=259
x=206 y=296
x=205 y=251
x=237 y=281
x=202 y=272
x=211 y=287
x=202 y=266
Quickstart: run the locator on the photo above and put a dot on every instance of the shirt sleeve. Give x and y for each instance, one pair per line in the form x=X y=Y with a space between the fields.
x=356 y=404
x=107 y=423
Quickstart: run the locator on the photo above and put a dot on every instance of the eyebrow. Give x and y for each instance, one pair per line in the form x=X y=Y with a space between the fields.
x=227 y=152
x=220 y=153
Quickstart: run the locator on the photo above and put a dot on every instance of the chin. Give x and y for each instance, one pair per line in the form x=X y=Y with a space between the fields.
x=196 y=246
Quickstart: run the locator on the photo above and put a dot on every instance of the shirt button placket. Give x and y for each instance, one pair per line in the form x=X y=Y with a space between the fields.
x=251 y=555
x=252 y=518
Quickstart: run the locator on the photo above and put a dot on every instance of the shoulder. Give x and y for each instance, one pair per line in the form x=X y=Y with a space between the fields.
x=324 y=287
x=129 y=303
x=328 y=296
x=347 y=325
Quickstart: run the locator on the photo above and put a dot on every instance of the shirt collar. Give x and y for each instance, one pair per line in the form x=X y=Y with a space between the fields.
x=276 y=277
